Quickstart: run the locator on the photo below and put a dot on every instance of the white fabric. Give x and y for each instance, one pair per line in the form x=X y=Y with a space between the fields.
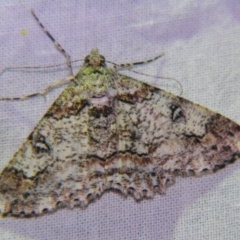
x=201 y=44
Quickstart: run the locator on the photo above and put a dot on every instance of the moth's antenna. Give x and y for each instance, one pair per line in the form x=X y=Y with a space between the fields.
x=33 y=68
x=58 y=46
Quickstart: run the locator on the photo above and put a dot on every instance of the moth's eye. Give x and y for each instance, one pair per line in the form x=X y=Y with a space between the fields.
x=86 y=60
x=102 y=59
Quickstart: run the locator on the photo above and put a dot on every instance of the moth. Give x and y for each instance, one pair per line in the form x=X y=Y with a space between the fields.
x=108 y=131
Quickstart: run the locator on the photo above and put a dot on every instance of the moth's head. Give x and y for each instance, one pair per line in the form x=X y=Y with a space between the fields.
x=94 y=59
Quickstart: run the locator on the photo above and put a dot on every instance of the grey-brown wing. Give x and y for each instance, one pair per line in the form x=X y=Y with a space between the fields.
x=162 y=135
x=52 y=168
x=131 y=137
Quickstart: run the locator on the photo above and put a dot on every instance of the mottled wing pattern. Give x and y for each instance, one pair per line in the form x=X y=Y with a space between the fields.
x=109 y=131
x=162 y=136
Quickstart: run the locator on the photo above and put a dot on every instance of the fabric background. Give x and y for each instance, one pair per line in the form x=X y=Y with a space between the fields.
x=201 y=44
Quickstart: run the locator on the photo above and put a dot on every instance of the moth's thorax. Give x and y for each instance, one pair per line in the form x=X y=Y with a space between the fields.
x=95 y=80
x=94 y=77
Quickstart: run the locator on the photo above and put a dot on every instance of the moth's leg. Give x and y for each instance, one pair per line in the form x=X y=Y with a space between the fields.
x=42 y=92
x=54 y=85
x=58 y=46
